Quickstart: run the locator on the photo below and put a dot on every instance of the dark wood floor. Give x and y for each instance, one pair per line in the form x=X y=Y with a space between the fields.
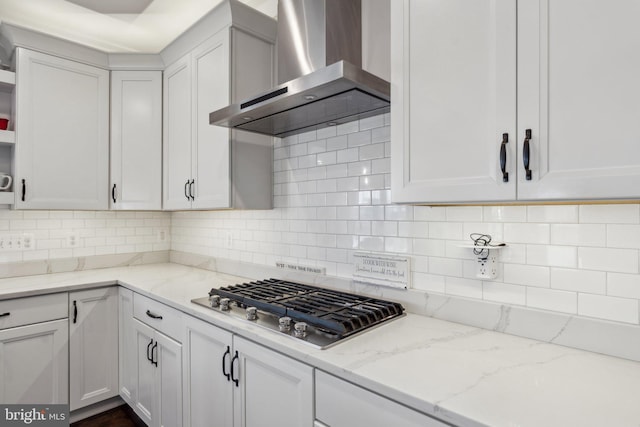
x=122 y=416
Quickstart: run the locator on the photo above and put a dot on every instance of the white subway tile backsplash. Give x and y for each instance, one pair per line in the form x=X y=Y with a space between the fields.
x=553 y=214
x=505 y=213
x=551 y=299
x=579 y=234
x=605 y=259
x=606 y=307
x=359 y=138
x=463 y=213
x=463 y=287
x=623 y=236
x=553 y=256
x=528 y=275
x=504 y=293
x=569 y=279
x=370 y=152
x=526 y=233
x=332 y=197
x=623 y=285
x=398 y=213
x=610 y=214
x=445 y=266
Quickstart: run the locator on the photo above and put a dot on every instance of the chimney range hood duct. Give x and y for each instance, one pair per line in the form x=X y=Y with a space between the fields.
x=321 y=82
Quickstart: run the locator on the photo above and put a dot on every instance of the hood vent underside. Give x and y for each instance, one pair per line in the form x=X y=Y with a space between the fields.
x=336 y=94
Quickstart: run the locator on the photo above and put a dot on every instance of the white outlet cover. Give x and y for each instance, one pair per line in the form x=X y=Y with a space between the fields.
x=487 y=268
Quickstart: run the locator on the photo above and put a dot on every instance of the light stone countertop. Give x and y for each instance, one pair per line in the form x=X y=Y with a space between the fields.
x=463 y=375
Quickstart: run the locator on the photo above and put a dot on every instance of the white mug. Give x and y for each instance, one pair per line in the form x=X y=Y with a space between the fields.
x=5 y=181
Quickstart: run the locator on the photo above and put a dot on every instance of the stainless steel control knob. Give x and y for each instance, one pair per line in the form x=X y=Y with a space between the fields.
x=285 y=324
x=214 y=300
x=224 y=304
x=252 y=313
x=300 y=330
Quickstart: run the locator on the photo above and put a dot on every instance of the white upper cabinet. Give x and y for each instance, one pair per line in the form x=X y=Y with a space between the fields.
x=177 y=135
x=578 y=92
x=136 y=140
x=62 y=134
x=453 y=98
x=454 y=73
x=211 y=167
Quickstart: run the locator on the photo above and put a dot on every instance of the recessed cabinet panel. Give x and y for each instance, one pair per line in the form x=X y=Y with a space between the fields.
x=93 y=346
x=453 y=99
x=177 y=135
x=34 y=363
x=210 y=155
x=62 y=155
x=266 y=380
x=578 y=92
x=136 y=140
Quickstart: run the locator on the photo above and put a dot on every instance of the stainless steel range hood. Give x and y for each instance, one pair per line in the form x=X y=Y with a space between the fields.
x=311 y=94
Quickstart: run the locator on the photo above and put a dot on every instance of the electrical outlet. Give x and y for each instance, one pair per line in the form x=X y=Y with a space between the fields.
x=73 y=239
x=162 y=235
x=28 y=242
x=229 y=240
x=487 y=268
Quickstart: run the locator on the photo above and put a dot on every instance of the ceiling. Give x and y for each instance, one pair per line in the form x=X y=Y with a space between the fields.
x=115 y=26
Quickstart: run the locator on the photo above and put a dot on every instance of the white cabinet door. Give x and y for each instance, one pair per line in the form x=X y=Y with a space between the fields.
x=93 y=346
x=127 y=350
x=342 y=404
x=206 y=375
x=34 y=363
x=145 y=371
x=272 y=390
x=62 y=147
x=177 y=135
x=210 y=154
x=136 y=140
x=158 y=377
x=578 y=92
x=167 y=356
x=453 y=97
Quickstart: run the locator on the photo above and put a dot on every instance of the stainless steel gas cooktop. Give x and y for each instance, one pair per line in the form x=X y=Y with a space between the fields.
x=317 y=316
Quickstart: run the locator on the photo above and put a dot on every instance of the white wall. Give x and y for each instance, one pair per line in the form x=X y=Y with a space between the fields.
x=331 y=199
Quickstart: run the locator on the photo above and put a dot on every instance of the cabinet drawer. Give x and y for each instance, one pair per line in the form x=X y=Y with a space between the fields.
x=159 y=316
x=25 y=311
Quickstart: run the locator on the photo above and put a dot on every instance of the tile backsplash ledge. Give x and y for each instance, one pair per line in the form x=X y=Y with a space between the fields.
x=332 y=198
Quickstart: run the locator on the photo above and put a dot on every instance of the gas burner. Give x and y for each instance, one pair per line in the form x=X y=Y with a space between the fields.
x=315 y=315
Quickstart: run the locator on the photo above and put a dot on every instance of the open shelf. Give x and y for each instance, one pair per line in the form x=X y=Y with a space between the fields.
x=7 y=81
x=7 y=137
x=7 y=198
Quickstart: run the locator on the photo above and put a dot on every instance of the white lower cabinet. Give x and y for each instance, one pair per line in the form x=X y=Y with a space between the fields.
x=229 y=381
x=34 y=353
x=150 y=360
x=93 y=346
x=342 y=404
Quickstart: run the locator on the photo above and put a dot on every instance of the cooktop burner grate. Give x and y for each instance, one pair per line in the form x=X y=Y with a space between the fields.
x=339 y=313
